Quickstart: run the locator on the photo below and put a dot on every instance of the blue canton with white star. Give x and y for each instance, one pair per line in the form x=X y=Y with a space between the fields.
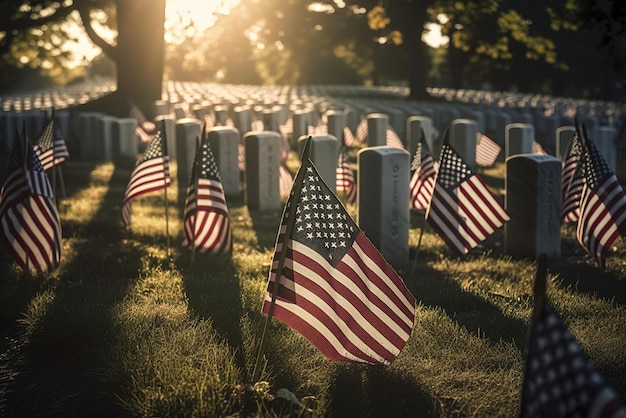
x=321 y=221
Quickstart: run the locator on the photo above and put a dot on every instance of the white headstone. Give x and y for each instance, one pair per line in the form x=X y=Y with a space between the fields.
x=564 y=135
x=519 y=139
x=168 y=124
x=336 y=123
x=377 y=124
x=188 y=132
x=224 y=142
x=463 y=136
x=125 y=138
x=323 y=154
x=414 y=127
x=533 y=201
x=604 y=138
x=262 y=191
x=383 y=201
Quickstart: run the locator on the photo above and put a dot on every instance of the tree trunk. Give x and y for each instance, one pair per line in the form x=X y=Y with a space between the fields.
x=412 y=16
x=140 y=49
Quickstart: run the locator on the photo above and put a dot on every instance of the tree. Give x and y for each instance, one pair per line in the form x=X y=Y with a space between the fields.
x=137 y=52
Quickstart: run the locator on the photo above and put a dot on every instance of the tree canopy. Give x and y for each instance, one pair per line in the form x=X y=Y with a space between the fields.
x=577 y=45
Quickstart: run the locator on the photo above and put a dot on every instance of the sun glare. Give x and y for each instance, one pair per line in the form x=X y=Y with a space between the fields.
x=201 y=13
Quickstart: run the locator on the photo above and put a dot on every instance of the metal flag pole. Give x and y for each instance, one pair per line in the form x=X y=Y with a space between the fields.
x=290 y=212
x=194 y=172
x=166 y=169
x=417 y=252
x=539 y=287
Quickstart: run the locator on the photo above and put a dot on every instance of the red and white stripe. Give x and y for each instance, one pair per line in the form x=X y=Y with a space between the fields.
x=148 y=176
x=359 y=310
x=487 y=151
x=207 y=225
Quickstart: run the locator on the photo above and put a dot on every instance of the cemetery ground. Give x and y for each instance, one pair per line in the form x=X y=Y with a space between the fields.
x=123 y=329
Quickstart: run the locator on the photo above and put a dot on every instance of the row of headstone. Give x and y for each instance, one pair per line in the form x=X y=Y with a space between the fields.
x=383 y=171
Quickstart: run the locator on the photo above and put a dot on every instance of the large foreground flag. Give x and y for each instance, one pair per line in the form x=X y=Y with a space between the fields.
x=206 y=221
x=151 y=173
x=462 y=209
x=559 y=380
x=31 y=228
x=50 y=147
x=422 y=178
x=572 y=180
x=335 y=288
x=602 y=206
x=344 y=177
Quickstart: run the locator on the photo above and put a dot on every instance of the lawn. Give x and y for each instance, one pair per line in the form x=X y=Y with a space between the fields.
x=124 y=327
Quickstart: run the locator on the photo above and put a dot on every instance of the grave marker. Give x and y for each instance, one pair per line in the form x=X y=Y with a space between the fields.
x=533 y=201
x=188 y=132
x=224 y=142
x=463 y=136
x=383 y=201
x=324 y=152
x=262 y=192
x=377 y=129
x=519 y=139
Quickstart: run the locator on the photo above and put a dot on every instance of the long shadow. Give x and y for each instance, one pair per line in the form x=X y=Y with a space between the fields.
x=383 y=391
x=64 y=367
x=212 y=288
x=476 y=314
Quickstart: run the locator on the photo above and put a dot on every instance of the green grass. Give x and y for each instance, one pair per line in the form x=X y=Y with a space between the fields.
x=121 y=328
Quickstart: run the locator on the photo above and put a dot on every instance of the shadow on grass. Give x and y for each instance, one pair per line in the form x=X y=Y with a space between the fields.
x=383 y=393
x=63 y=367
x=212 y=288
x=265 y=226
x=476 y=314
x=590 y=279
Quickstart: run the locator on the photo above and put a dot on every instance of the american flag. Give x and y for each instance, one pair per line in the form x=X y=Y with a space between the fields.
x=393 y=140
x=31 y=228
x=151 y=173
x=348 y=137
x=141 y=119
x=361 y=131
x=335 y=288
x=345 y=177
x=572 y=180
x=422 y=177
x=206 y=222
x=538 y=148
x=559 y=380
x=321 y=129
x=602 y=206
x=50 y=147
x=487 y=151
x=462 y=209
x=285 y=181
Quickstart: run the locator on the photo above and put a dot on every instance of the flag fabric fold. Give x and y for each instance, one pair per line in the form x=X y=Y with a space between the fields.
x=487 y=151
x=572 y=180
x=50 y=147
x=335 y=288
x=602 y=216
x=151 y=173
x=559 y=379
x=423 y=175
x=30 y=224
x=206 y=221
x=344 y=177
x=462 y=209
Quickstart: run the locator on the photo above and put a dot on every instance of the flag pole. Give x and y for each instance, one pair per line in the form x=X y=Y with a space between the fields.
x=195 y=215
x=417 y=251
x=539 y=287
x=166 y=155
x=290 y=211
